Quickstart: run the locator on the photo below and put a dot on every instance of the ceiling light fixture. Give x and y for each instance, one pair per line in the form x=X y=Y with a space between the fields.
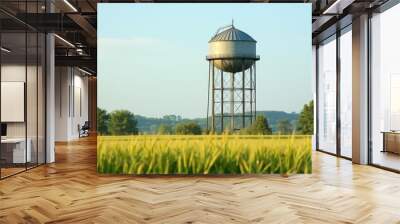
x=337 y=7
x=64 y=40
x=80 y=51
x=70 y=5
x=84 y=71
x=5 y=50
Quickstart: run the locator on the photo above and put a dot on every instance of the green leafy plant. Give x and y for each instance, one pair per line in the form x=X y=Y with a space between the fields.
x=305 y=123
x=122 y=122
x=188 y=128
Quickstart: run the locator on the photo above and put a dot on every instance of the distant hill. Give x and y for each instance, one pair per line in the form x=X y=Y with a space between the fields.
x=150 y=125
x=274 y=116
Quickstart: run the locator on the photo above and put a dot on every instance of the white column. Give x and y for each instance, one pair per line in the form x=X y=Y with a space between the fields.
x=50 y=99
x=50 y=92
x=63 y=99
x=360 y=90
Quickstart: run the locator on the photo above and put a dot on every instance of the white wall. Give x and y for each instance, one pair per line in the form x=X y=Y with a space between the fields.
x=71 y=102
x=62 y=82
x=80 y=110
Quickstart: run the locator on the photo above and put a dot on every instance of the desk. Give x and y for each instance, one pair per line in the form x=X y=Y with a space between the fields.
x=391 y=141
x=13 y=150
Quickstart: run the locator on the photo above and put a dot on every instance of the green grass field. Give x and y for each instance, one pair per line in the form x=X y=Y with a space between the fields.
x=204 y=154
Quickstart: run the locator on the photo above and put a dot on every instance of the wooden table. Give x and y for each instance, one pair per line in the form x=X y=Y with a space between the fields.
x=391 y=141
x=14 y=152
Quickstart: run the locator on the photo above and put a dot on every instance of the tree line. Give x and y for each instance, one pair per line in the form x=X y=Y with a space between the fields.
x=123 y=122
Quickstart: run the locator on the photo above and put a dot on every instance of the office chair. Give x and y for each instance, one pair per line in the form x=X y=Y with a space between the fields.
x=84 y=130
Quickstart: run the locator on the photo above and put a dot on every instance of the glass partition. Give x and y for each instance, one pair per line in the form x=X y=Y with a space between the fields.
x=41 y=97
x=31 y=97
x=23 y=91
x=346 y=93
x=385 y=89
x=327 y=95
x=41 y=88
x=14 y=153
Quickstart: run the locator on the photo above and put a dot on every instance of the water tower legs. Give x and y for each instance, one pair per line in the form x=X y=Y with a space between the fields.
x=231 y=96
x=243 y=100
x=251 y=95
x=254 y=89
x=232 y=102
x=222 y=102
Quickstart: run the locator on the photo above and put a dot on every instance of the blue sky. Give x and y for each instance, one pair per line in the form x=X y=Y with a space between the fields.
x=151 y=57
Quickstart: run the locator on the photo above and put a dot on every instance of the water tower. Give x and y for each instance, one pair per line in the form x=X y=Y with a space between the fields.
x=231 y=80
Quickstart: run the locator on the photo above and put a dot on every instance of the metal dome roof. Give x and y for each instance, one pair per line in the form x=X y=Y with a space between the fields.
x=231 y=34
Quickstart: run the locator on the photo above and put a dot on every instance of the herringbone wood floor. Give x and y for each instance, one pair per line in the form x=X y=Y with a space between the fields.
x=70 y=191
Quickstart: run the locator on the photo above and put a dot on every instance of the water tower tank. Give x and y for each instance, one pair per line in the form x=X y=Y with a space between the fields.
x=232 y=50
x=232 y=80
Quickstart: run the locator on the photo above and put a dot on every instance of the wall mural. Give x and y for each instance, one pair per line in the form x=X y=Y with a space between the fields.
x=204 y=89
